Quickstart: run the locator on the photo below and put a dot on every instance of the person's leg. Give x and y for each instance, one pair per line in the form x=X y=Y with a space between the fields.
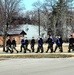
x=21 y=48
x=10 y=49
x=27 y=48
x=69 y=48
x=42 y=49
x=61 y=50
x=24 y=47
x=55 y=48
x=72 y=47
x=38 y=49
x=7 y=49
x=33 y=48
x=15 y=49
x=47 y=49
x=51 y=48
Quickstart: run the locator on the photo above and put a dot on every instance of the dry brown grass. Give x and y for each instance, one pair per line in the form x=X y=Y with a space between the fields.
x=65 y=48
x=36 y=56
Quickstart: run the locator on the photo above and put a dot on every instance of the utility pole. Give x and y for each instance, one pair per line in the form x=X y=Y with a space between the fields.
x=39 y=20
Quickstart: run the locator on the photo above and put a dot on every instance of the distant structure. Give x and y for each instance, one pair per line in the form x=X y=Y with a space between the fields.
x=17 y=34
x=33 y=31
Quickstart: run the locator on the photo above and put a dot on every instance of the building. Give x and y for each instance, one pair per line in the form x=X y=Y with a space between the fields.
x=30 y=30
x=33 y=31
x=17 y=34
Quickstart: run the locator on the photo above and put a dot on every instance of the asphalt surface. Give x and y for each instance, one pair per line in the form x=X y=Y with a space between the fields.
x=55 y=66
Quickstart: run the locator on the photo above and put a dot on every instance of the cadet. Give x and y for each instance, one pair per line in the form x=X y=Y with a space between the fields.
x=27 y=42
x=14 y=45
x=71 y=43
x=50 y=42
x=23 y=45
x=58 y=43
x=40 y=45
x=32 y=44
x=8 y=46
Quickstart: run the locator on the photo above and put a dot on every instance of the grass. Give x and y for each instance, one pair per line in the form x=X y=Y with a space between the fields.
x=65 y=48
x=36 y=56
x=44 y=55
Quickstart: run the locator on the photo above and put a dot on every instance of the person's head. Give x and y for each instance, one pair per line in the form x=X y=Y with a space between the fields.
x=8 y=38
x=38 y=38
x=70 y=36
x=48 y=36
x=57 y=36
x=13 y=38
x=32 y=37
x=73 y=35
x=25 y=38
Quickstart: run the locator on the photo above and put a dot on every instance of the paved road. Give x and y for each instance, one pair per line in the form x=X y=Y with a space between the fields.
x=61 y=66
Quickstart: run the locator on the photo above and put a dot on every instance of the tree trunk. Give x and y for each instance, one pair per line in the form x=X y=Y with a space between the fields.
x=54 y=26
x=4 y=39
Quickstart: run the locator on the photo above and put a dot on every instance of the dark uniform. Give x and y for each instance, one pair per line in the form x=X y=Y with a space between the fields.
x=59 y=44
x=71 y=44
x=50 y=42
x=27 y=42
x=8 y=46
x=23 y=45
x=40 y=45
x=32 y=44
x=14 y=45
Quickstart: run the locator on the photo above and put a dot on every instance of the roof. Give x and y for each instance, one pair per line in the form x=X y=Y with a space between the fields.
x=14 y=32
x=33 y=31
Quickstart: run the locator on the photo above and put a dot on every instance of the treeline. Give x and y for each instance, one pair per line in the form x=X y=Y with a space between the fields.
x=56 y=16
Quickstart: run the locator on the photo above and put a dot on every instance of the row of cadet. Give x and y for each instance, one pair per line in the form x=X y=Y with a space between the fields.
x=11 y=45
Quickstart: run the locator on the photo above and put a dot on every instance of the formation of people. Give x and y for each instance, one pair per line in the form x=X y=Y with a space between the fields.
x=11 y=45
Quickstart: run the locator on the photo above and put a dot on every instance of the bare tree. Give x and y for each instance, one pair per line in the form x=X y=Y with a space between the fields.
x=8 y=9
x=38 y=5
x=58 y=19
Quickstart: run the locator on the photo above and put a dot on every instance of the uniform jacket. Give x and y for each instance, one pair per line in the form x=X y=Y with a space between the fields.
x=8 y=43
x=40 y=42
x=59 y=41
x=49 y=41
x=14 y=42
x=32 y=41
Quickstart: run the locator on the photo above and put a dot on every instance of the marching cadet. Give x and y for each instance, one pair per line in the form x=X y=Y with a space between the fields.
x=50 y=42
x=27 y=43
x=8 y=46
x=13 y=45
x=71 y=43
x=32 y=44
x=40 y=45
x=58 y=44
x=23 y=45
